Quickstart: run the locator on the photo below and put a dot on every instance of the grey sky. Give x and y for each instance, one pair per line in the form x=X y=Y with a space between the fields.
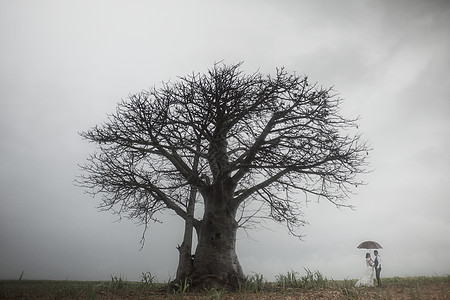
x=66 y=64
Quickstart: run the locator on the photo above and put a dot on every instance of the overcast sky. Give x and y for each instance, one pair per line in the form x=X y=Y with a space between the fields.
x=65 y=64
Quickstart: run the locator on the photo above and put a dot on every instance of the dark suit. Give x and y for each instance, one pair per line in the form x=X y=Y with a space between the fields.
x=377 y=271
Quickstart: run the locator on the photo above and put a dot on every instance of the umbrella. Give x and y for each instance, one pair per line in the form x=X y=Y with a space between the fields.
x=369 y=245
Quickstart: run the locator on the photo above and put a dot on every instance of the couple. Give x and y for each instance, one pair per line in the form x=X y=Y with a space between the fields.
x=367 y=280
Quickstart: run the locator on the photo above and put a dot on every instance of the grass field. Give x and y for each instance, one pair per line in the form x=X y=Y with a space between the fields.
x=287 y=286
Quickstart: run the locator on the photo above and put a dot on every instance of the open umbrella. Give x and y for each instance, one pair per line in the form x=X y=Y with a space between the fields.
x=369 y=245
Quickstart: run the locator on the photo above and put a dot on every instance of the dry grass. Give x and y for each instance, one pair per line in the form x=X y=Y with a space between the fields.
x=290 y=286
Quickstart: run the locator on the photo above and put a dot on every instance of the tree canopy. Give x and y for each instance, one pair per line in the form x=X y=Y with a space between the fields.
x=234 y=138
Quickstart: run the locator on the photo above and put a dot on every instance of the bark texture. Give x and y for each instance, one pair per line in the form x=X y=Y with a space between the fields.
x=216 y=262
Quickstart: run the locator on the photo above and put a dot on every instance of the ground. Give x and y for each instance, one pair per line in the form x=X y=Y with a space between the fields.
x=425 y=291
x=319 y=288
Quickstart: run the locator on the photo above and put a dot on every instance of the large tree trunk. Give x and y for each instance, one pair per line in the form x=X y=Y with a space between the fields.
x=216 y=262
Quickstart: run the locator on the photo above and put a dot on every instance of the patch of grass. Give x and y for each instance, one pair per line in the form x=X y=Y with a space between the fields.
x=182 y=288
x=291 y=285
x=118 y=282
x=215 y=293
x=45 y=289
x=253 y=283
x=312 y=280
x=346 y=287
x=287 y=281
x=411 y=281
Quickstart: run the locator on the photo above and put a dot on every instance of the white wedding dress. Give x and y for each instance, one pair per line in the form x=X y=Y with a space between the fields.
x=367 y=280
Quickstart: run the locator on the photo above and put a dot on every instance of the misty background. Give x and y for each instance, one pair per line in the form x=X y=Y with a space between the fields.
x=64 y=65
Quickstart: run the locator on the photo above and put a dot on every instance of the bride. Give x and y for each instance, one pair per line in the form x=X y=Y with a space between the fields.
x=367 y=280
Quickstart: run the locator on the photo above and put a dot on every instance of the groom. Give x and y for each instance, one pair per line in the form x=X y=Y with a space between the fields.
x=377 y=267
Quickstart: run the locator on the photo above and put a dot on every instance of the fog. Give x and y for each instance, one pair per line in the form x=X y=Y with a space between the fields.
x=66 y=64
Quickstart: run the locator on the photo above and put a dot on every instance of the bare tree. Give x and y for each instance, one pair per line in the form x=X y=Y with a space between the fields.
x=224 y=139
